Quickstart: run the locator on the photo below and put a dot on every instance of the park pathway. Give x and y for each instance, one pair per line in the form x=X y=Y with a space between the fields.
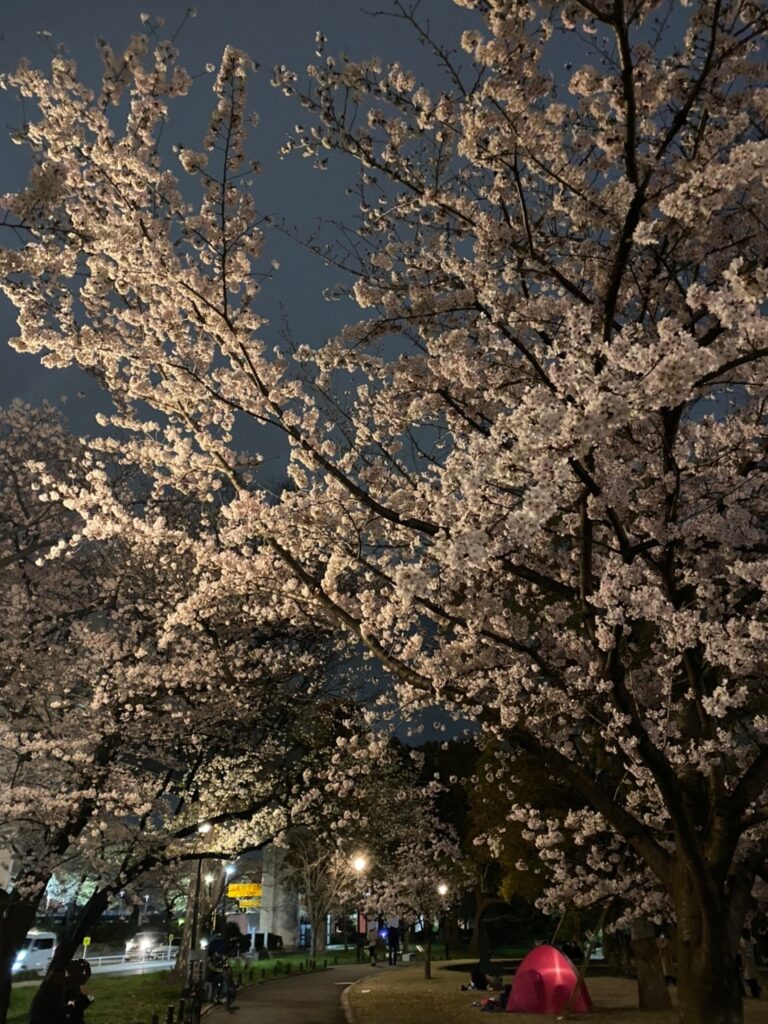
x=307 y=999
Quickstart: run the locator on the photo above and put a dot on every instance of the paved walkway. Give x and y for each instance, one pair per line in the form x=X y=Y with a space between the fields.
x=300 y=999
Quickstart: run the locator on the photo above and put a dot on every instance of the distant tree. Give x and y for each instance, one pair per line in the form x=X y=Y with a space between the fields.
x=322 y=875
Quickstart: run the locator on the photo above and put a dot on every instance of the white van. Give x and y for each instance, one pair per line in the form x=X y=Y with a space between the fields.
x=36 y=952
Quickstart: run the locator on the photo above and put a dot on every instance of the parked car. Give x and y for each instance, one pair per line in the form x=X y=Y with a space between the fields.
x=150 y=946
x=36 y=952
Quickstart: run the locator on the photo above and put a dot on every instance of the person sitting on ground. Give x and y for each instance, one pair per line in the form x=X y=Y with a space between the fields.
x=478 y=979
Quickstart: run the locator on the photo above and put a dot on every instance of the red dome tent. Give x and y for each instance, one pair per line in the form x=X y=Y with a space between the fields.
x=543 y=983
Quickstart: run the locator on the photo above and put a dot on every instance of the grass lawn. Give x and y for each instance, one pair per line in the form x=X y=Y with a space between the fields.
x=131 y=999
x=127 y=1000
x=406 y=996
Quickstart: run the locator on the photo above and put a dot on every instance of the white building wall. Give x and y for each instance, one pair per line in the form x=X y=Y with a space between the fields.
x=6 y=866
x=279 y=909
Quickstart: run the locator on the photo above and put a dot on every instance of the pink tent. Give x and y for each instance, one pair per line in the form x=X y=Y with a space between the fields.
x=543 y=984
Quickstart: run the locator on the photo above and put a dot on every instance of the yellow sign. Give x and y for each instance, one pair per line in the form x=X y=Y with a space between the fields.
x=244 y=890
x=252 y=903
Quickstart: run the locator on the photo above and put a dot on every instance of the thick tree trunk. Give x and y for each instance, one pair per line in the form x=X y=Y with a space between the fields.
x=317 y=924
x=708 y=988
x=18 y=918
x=479 y=945
x=653 y=993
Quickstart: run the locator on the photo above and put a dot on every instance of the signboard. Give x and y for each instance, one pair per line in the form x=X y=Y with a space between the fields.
x=251 y=903
x=244 y=890
x=86 y=941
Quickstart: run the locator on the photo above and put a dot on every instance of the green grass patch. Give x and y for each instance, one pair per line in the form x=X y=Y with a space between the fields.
x=132 y=999
x=126 y=1000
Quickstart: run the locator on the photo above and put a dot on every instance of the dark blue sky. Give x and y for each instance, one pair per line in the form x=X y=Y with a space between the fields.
x=271 y=31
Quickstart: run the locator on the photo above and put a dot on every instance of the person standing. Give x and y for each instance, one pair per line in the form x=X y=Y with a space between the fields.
x=665 y=956
x=215 y=977
x=373 y=939
x=393 y=940
x=229 y=986
x=749 y=963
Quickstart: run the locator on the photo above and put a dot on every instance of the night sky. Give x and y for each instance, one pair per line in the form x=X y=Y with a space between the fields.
x=271 y=32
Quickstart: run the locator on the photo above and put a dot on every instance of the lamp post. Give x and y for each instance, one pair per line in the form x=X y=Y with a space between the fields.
x=203 y=829
x=442 y=892
x=359 y=864
x=209 y=916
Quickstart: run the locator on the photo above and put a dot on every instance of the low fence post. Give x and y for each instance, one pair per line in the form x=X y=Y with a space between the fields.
x=170 y=1015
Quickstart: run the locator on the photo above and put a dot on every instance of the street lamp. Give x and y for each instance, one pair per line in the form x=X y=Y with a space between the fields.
x=359 y=864
x=204 y=828
x=442 y=891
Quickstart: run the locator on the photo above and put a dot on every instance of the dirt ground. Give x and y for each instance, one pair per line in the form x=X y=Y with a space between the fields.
x=405 y=997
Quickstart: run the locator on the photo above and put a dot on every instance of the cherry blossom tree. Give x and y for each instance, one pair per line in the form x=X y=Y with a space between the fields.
x=536 y=495
x=49 y=774
x=117 y=739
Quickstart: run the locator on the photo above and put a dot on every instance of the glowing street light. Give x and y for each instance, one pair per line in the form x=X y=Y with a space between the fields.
x=203 y=828
x=442 y=891
x=359 y=863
